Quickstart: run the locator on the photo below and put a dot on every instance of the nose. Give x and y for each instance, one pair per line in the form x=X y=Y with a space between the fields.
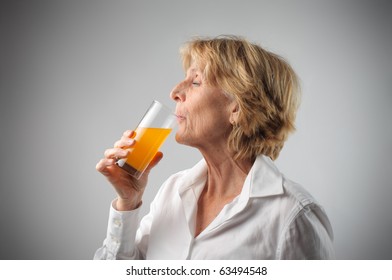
x=178 y=93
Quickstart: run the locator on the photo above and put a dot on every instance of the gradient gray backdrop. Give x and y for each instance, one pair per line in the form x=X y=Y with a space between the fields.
x=76 y=74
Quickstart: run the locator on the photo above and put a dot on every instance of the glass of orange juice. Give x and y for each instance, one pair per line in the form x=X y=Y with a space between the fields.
x=151 y=132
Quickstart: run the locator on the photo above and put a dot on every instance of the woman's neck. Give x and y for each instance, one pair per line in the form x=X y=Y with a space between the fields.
x=226 y=176
x=225 y=180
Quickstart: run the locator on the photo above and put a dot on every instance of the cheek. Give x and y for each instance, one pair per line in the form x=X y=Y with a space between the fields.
x=201 y=117
x=210 y=125
x=197 y=125
x=201 y=125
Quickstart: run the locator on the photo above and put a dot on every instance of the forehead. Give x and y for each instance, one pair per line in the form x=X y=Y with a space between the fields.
x=193 y=70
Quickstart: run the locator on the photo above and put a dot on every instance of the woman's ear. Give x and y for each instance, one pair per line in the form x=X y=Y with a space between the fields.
x=234 y=113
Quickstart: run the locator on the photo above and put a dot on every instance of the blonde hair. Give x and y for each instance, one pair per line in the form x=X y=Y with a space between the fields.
x=263 y=84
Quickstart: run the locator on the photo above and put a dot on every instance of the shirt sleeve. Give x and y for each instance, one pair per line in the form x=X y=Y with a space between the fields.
x=307 y=236
x=120 y=237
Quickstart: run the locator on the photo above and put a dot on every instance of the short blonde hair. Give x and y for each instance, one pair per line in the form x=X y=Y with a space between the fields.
x=263 y=84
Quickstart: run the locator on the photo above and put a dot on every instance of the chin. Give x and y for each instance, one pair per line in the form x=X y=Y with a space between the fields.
x=179 y=138
x=182 y=139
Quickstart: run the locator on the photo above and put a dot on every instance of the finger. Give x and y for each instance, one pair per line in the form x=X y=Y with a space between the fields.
x=156 y=159
x=103 y=164
x=129 y=133
x=124 y=143
x=116 y=153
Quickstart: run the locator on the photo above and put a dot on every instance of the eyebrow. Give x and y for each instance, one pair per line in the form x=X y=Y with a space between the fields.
x=193 y=70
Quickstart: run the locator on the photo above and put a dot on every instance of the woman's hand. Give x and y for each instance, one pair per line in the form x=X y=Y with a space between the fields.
x=129 y=190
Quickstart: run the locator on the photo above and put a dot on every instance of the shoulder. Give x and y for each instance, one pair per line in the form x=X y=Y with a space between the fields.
x=307 y=232
x=299 y=196
x=303 y=204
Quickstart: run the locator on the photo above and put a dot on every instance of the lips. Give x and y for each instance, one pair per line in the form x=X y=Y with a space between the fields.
x=180 y=117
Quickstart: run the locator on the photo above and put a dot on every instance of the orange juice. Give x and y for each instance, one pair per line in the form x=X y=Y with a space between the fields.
x=148 y=142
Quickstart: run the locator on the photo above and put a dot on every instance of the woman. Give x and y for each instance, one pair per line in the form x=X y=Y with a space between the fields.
x=236 y=105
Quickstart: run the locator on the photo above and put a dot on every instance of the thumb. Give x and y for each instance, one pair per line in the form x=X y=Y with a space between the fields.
x=156 y=159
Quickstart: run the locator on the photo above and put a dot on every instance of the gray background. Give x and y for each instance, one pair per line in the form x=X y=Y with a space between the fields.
x=76 y=74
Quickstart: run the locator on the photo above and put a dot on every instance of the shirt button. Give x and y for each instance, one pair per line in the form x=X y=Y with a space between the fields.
x=114 y=239
x=117 y=222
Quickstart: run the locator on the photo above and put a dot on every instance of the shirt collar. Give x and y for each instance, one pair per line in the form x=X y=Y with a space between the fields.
x=264 y=178
x=193 y=176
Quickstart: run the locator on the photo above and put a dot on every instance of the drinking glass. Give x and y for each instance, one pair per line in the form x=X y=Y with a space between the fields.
x=151 y=132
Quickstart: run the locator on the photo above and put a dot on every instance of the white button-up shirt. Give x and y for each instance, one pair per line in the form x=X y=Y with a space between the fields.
x=272 y=218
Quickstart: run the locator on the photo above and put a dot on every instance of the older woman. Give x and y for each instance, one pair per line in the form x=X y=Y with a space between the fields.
x=237 y=106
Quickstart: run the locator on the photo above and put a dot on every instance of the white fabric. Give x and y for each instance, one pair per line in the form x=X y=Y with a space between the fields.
x=272 y=218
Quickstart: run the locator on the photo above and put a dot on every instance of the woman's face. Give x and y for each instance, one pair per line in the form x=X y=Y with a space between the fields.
x=203 y=112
